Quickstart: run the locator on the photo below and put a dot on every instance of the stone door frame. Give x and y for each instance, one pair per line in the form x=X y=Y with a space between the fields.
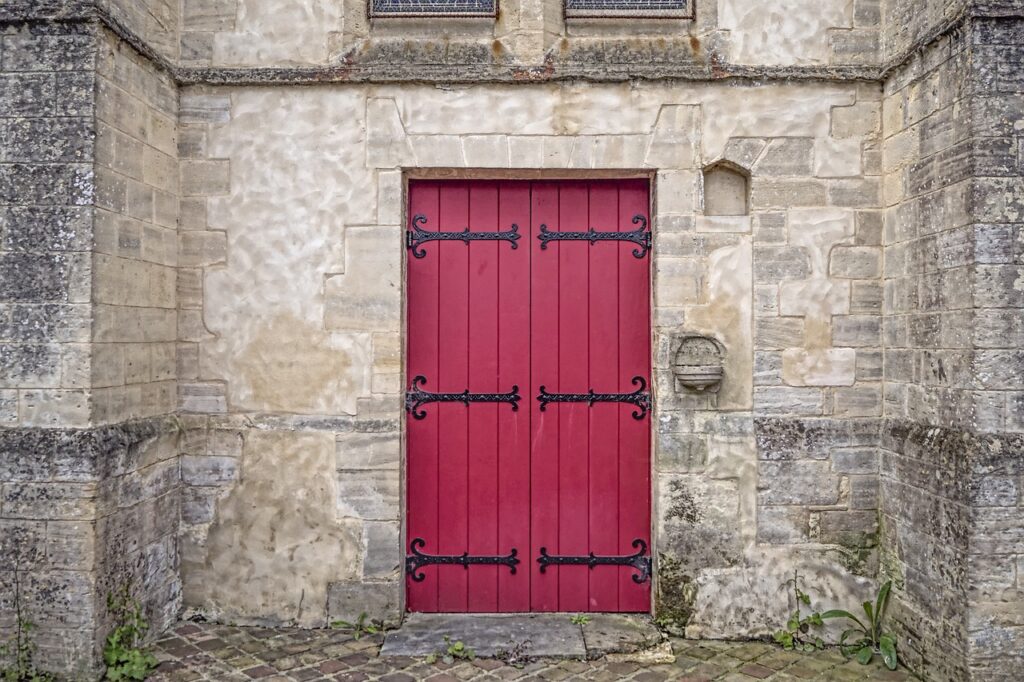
x=432 y=173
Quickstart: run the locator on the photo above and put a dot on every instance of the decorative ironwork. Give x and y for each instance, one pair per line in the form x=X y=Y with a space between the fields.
x=638 y=561
x=416 y=397
x=415 y=237
x=417 y=560
x=640 y=236
x=639 y=397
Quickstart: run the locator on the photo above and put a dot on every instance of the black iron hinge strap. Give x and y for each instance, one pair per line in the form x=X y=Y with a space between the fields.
x=415 y=237
x=640 y=397
x=415 y=561
x=640 y=236
x=416 y=397
x=640 y=561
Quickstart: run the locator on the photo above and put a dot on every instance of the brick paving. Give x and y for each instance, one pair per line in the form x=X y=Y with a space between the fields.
x=228 y=653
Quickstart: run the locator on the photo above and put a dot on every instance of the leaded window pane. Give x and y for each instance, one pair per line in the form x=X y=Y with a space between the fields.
x=412 y=8
x=682 y=9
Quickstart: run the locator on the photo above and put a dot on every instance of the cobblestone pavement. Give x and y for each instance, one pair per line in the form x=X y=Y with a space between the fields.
x=226 y=653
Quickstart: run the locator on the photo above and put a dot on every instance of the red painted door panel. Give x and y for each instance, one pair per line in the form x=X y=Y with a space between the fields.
x=496 y=481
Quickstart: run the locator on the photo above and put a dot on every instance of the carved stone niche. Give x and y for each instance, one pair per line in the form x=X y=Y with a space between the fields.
x=697 y=363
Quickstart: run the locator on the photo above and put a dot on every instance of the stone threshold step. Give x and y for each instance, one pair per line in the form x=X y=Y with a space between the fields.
x=546 y=635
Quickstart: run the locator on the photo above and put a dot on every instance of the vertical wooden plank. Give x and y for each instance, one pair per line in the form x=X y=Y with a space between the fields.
x=422 y=354
x=544 y=426
x=634 y=360
x=513 y=498
x=482 y=515
x=573 y=377
x=604 y=371
x=453 y=376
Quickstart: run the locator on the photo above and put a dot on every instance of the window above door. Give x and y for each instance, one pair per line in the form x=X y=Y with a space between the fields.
x=626 y=9
x=433 y=8
x=639 y=9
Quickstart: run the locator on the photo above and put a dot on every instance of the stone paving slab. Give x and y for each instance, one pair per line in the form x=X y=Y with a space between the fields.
x=547 y=634
x=613 y=633
x=208 y=652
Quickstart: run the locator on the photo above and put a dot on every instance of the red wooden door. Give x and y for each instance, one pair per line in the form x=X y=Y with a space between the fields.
x=528 y=397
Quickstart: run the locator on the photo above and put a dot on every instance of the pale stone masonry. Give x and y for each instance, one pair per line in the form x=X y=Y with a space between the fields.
x=202 y=293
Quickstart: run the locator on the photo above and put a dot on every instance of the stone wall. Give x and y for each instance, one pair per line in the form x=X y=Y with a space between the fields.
x=532 y=38
x=46 y=186
x=953 y=367
x=910 y=24
x=156 y=22
x=136 y=245
x=236 y=257
x=84 y=509
x=315 y=329
x=83 y=513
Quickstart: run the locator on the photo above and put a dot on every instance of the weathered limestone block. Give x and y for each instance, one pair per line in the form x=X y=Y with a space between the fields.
x=818 y=298
x=785 y=156
x=717 y=223
x=800 y=36
x=837 y=157
x=778 y=332
x=370 y=494
x=825 y=367
x=748 y=597
x=858 y=401
x=697 y=519
x=382 y=555
x=673 y=143
x=725 y=314
x=785 y=193
x=207 y=177
x=797 y=482
x=360 y=450
x=254 y=32
x=486 y=151
x=368 y=296
x=378 y=600
x=677 y=192
x=681 y=452
x=787 y=400
x=444 y=151
x=783 y=525
x=274 y=546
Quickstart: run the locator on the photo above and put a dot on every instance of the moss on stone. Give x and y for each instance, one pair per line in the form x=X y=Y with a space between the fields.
x=675 y=595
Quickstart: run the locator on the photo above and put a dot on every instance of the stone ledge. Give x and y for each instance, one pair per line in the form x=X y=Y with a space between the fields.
x=32 y=453
x=548 y=635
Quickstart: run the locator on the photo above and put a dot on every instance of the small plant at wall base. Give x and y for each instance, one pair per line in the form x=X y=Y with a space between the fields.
x=21 y=650
x=865 y=639
x=123 y=653
x=454 y=651
x=579 y=619
x=361 y=626
x=796 y=635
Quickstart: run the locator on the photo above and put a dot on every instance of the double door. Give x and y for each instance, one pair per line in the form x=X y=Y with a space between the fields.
x=528 y=397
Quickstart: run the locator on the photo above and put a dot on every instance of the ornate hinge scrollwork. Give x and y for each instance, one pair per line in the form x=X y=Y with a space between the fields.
x=639 y=561
x=639 y=397
x=416 y=397
x=415 y=561
x=415 y=237
x=640 y=236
